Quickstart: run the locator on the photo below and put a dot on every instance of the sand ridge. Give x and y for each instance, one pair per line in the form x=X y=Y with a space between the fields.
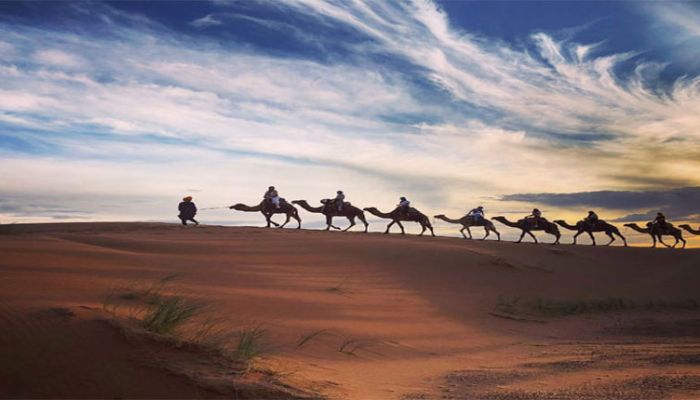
x=388 y=316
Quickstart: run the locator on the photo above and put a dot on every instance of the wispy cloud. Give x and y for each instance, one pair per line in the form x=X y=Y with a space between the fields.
x=206 y=21
x=415 y=105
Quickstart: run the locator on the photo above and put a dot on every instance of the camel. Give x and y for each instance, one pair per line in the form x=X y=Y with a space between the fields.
x=689 y=229
x=526 y=226
x=397 y=216
x=600 y=226
x=671 y=231
x=329 y=210
x=268 y=210
x=468 y=221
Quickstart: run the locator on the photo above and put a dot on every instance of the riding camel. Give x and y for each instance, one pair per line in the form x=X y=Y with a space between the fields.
x=468 y=221
x=268 y=210
x=600 y=226
x=656 y=233
x=689 y=229
x=527 y=226
x=330 y=210
x=396 y=216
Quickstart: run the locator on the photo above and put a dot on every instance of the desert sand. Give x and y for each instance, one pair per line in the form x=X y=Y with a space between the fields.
x=343 y=315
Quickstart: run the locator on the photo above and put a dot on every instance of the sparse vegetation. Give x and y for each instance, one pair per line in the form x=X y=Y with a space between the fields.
x=306 y=338
x=251 y=344
x=518 y=305
x=350 y=345
x=168 y=313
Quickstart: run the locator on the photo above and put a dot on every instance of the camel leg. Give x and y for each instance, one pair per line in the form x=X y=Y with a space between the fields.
x=592 y=237
x=576 y=236
x=522 y=235
x=653 y=238
x=287 y=221
x=329 y=221
x=533 y=236
x=683 y=240
x=268 y=219
x=352 y=223
x=486 y=230
x=557 y=240
x=612 y=238
x=623 y=238
x=296 y=216
x=389 y=227
x=462 y=232
x=661 y=239
x=469 y=231
x=431 y=231
x=364 y=221
x=403 y=231
x=498 y=234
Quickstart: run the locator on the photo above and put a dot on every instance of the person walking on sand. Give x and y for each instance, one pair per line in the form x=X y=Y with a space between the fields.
x=187 y=211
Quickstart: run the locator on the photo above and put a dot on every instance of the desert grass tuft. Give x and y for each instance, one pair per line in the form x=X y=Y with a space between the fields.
x=306 y=338
x=251 y=344
x=350 y=346
x=166 y=314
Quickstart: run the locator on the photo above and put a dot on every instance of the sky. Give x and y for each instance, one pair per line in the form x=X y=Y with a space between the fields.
x=116 y=110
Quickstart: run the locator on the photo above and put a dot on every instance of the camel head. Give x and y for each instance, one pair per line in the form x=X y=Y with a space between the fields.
x=296 y=201
x=684 y=226
x=439 y=216
x=370 y=209
x=237 y=206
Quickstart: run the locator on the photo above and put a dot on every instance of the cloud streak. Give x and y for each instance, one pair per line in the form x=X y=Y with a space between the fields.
x=405 y=103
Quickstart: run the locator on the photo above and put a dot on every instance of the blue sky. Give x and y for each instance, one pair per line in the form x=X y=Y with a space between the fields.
x=115 y=110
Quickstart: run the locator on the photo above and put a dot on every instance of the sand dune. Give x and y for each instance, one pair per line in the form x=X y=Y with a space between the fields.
x=351 y=315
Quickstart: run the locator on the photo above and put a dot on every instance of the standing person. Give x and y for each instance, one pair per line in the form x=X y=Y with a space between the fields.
x=339 y=199
x=272 y=196
x=187 y=210
x=477 y=214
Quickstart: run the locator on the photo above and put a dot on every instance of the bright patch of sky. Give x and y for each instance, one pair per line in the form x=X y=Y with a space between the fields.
x=116 y=110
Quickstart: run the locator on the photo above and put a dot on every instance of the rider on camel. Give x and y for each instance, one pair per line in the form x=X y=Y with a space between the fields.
x=660 y=222
x=535 y=217
x=272 y=196
x=477 y=214
x=339 y=199
x=592 y=218
x=404 y=205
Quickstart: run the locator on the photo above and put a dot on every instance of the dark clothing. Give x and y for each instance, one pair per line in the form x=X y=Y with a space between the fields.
x=592 y=219
x=187 y=212
x=660 y=222
x=184 y=220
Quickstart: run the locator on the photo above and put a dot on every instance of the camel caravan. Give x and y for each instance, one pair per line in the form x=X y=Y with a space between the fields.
x=272 y=204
